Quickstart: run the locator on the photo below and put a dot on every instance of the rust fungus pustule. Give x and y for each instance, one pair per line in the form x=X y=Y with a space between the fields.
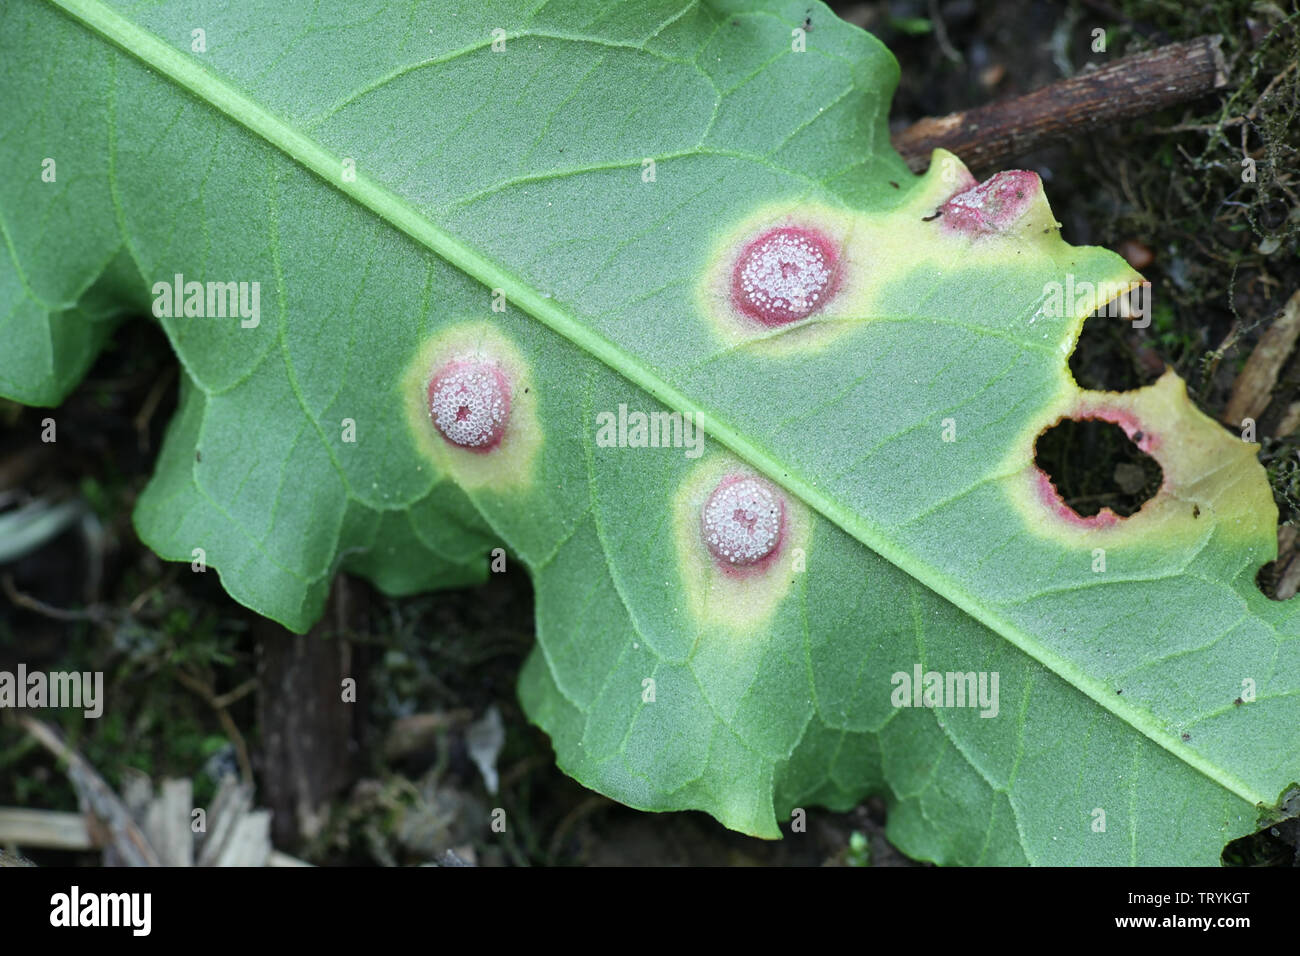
x=784 y=274
x=469 y=404
x=743 y=522
x=994 y=205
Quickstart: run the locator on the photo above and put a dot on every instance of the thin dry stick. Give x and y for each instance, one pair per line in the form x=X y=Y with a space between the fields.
x=988 y=136
x=55 y=830
x=47 y=829
x=151 y=402
x=1253 y=389
x=218 y=705
x=97 y=798
x=94 y=613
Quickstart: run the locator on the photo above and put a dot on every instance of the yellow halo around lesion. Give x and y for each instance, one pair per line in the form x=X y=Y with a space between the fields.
x=1211 y=480
x=876 y=250
x=509 y=466
x=740 y=602
x=713 y=293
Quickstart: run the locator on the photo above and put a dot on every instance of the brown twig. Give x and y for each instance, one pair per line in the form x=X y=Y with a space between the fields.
x=151 y=402
x=988 y=136
x=1253 y=389
x=95 y=614
x=218 y=705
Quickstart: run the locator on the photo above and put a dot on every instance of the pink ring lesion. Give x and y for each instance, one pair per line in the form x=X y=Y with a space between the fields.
x=1143 y=438
x=993 y=206
x=785 y=274
x=1052 y=500
x=469 y=404
x=743 y=524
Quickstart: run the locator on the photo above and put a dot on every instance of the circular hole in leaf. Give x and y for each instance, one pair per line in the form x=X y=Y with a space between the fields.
x=1094 y=465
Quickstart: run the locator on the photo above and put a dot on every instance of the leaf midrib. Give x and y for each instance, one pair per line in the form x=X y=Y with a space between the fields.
x=182 y=70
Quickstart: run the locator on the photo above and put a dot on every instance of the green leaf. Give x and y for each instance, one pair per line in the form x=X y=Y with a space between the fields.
x=391 y=176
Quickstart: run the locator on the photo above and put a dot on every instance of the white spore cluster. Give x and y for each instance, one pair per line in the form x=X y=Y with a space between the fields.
x=469 y=404
x=783 y=276
x=742 y=521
